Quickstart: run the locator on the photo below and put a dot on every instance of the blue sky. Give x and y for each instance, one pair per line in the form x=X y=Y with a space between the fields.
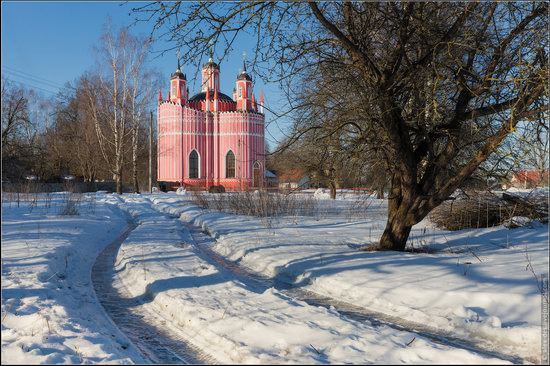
x=45 y=44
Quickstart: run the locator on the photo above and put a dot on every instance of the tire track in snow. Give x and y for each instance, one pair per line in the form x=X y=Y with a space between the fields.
x=203 y=241
x=151 y=334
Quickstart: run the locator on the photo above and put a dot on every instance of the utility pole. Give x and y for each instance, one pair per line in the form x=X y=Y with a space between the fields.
x=151 y=153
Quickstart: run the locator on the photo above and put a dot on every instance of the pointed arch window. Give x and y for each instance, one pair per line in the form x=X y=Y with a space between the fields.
x=193 y=164
x=256 y=175
x=230 y=165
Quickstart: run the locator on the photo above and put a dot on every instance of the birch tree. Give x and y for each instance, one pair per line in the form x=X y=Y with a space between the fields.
x=115 y=99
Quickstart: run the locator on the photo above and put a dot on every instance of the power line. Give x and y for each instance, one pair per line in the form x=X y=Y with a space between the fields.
x=30 y=84
x=38 y=78
x=33 y=84
x=52 y=94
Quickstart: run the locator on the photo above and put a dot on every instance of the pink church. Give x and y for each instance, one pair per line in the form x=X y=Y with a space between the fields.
x=210 y=138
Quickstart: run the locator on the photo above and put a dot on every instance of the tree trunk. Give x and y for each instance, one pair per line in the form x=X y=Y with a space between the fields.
x=118 y=179
x=332 y=185
x=398 y=227
x=380 y=193
x=134 y=160
x=118 y=184
x=396 y=232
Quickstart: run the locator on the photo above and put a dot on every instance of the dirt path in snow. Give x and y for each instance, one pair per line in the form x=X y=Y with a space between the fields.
x=203 y=242
x=160 y=343
x=147 y=330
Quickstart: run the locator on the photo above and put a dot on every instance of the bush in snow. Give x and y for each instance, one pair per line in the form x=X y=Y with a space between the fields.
x=258 y=203
x=70 y=204
x=485 y=209
x=216 y=189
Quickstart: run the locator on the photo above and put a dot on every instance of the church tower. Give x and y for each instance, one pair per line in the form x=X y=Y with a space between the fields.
x=178 y=87
x=244 y=91
x=210 y=76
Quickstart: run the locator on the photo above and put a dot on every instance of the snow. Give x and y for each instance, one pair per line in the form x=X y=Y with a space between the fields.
x=49 y=310
x=475 y=285
x=240 y=323
x=320 y=194
x=529 y=192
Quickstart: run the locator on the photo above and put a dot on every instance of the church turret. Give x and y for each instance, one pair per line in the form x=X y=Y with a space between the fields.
x=207 y=100
x=244 y=90
x=262 y=103
x=178 y=87
x=210 y=76
x=216 y=97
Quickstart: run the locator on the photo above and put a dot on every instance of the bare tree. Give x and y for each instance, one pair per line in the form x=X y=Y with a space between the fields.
x=72 y=140
x=20 y=146
x=15 y=113
x=441 y=85
x=115 y=97
x=142 y=94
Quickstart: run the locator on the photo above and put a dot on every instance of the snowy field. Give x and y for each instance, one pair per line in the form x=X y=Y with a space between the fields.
x=477 y=284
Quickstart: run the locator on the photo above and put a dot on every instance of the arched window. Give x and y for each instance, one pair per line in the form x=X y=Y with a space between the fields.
x=256 y=176
x=193 y=164
x=230 y=165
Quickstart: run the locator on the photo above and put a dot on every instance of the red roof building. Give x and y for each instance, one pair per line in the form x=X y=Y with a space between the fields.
x=529 y=179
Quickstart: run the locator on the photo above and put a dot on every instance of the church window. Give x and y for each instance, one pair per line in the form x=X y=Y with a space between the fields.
x=256 y=175
x=230 y=165
x=194 y=164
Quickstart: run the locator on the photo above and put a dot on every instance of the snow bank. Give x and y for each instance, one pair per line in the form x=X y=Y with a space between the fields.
x=528 y=192
x=476 y=286
x=49 y=310
x=320 y=194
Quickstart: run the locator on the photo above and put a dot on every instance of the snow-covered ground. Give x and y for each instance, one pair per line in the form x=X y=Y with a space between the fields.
x=239 y=323
x=477 y=285
x=49 y=310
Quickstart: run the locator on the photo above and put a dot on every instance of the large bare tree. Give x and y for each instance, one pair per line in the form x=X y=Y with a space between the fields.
x=440 y=85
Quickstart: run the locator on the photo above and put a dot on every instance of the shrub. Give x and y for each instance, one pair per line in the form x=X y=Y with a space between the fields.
x=216 y=189
x=261 y=204
x=70 y=204
x=484 y=209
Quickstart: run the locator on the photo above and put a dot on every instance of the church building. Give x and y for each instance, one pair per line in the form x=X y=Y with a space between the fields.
x=210 y=138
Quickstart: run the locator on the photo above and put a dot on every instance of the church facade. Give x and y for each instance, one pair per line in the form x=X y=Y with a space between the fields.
x=211 y=139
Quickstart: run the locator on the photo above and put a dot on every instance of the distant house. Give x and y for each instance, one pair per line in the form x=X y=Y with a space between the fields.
x=529 y=179
x=294 y=179
x=271 y=179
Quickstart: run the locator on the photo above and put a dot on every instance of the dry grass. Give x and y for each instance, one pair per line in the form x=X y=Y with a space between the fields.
x=257 y=203
x=484 y=209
